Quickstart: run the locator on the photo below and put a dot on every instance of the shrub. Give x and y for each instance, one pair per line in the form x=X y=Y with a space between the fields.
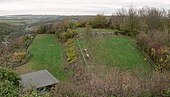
x=6 y=74
x=71 y=54
x=19 y=56
x=99 y=21
x=155 y=44
x=9 y=83
x=64 y=36
x=69 y=42
x=66 y=32
x=70 y=51
x=7 y=89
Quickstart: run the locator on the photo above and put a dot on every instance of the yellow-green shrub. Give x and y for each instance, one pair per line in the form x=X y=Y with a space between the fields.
x=70 y=51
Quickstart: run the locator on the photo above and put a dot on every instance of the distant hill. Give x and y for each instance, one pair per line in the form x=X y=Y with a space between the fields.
x=6 y=28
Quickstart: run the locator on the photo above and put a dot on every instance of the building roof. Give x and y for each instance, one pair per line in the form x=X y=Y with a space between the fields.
x=37 y=79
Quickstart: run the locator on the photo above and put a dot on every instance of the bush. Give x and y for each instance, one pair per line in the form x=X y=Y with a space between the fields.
x=7 y=89
x=71 y=54
x=9 y=83
x=66 y=32
x=98 y=21
x=6 y=74
x=19 y=56
x=155 y=44
x=70 y=51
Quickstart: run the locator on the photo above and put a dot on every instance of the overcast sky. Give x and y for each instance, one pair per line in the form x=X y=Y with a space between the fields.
x=73 y=7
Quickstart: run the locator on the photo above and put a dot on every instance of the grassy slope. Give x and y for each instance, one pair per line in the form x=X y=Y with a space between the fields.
x=118 y=51
x=47 y=54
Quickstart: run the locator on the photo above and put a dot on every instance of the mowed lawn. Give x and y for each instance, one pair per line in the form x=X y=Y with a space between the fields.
x=47 y=54
x=117 y=51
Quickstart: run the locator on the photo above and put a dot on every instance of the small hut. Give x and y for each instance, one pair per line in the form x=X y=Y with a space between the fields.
x=37 y=80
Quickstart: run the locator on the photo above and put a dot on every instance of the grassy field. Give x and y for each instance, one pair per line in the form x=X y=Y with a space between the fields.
x=118 y=51
x=15 y=22
x=47 y=54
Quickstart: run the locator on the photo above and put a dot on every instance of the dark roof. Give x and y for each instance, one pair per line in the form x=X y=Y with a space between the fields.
x=37 y=79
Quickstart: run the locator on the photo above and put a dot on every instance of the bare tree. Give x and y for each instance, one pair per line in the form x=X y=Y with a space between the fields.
x=119 y=19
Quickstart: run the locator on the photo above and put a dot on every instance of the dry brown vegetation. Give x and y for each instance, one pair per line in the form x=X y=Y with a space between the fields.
x=104 y=83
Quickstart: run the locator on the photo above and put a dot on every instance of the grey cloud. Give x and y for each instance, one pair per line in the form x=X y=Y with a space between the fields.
x=10 y=1
x=74 y=7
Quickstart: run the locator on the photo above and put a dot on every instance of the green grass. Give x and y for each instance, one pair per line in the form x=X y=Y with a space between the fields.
x=47 y=54
x=119 y=51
